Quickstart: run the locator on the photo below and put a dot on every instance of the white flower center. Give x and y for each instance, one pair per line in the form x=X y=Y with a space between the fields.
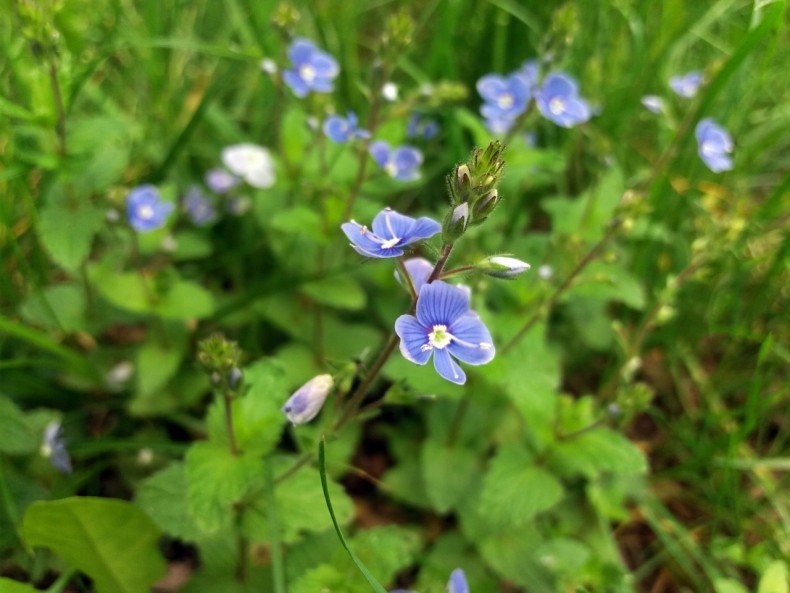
x=145 y=212
x=557 y=105
x=391 y=169
x=439 y=337
x=390 y=243
x=709 y=148
x=505 y=101
x=307 y=72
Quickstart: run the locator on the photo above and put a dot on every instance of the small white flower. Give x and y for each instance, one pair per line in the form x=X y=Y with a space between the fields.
x=120 y=373
x=307 y=401
x=169 y=244
x=269 y=66
x=251 y=162
x=389 y=91
x=545 y=271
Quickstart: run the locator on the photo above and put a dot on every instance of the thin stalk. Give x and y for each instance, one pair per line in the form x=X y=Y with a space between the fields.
x=228 y=400
x=60 y=109
x=278 y=565
x=61 y=582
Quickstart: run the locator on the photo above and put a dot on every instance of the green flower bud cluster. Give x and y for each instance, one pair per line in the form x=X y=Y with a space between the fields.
x=473 y=190
x=221 y=360
x=397 y=34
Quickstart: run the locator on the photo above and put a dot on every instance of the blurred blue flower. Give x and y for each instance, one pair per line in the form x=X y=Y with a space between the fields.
x=457 y=582
x=391 y=233
x=313 y=69
x=714 y=145
x=419 y=270
x=529 y=71
x=220 y=181
x=401 y=163
x=558 y=100
x=53 y=447
x=504 y=99
x=653 y=103
x=308 y=400
x=687 y=85
x=199 y=208
x=145 y=209
x=342 y=129
x=445 y=327
x=419 y=126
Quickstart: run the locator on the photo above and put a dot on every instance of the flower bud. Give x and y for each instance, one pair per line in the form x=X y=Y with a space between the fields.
x=484 y=206
x=455 y=223
x=308 y=400
x=502 y=266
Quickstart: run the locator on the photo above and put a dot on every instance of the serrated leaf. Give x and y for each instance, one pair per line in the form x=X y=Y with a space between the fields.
x=17 y=437
x=163 y=496
x=110 y=540
x=257 y=418
x=600 y=450
x=66 y=227
x=341 y=292
x=515 y=489
x=217 y=480
x=446 y=473
x=510 y=553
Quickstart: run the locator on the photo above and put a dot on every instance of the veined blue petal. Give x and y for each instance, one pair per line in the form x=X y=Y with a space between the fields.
x=440 y=303
x=380 y=151
x=389 y=224
x=413 y=339
x=423 y=228
x=363 y=240
x=472 y=341
x=447 y=367
x=419 y=270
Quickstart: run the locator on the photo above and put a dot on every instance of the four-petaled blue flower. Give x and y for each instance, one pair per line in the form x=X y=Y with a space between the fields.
x=342 y=129
x=313 y=69
x=419 y=126
x=687 y=85
x=391 y=233
x=714 y=145
x=558 y=100
x=53 y=446
x=145 y=209
x=445 y=328
x=505 y=98
x=401 y=163
x=199 y=208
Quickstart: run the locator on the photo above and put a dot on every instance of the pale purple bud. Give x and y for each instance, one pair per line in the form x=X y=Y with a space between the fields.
x=308 y=400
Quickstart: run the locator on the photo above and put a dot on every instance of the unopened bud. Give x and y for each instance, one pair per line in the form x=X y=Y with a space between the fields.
x=484 y=206
x=308 y=400
x=502 y=266
x=455 y=223
x=235 y=377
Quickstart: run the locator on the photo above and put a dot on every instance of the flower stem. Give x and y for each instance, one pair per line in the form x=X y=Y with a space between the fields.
x=59 y=107
x=228 y=400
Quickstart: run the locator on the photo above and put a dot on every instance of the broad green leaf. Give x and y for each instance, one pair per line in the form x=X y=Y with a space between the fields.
x=299 y=220
x=774 y=579
x=326 y=578
x=724 y=585
x=562 y=555
x=515 y=489
x=386 y=550
x=9 y=586
x=341 y=292
x=66 y=227
x=110 y=540
x=257 y=418
x=158 y=360
x=60 y=307
x=17 y=437
x=163 y=496
x=101 y=145
x=217 y=480
x=600 y=450
x=510 y=553
x=446 y=472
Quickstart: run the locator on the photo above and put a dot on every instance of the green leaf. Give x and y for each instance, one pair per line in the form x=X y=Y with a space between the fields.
x=515 y=489
x=446 y=473
x=387 y=550
x=66 y=227
x=600 y=450
x=374 y=584
x=217 y=480
x=158 y=360
x=774 y=579
x=299 y=220
x=60 y=307
x=342 y=292
x=163 y=496
x=101 y=145
x=325 y=578
x=110 y=540
x=257 y=418
x=9 y=586
x=510 y=553
x=17 y=437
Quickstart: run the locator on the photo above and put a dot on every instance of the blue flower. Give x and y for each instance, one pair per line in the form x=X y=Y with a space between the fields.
x=445 y=327
x=419 y=126
x=198 y=207
x=505 y=98
x=391 y=233
x=220 y=181
x=558 y=100
x=419 y=270
x=308 y=400
x=686 y=86
x=342 y=129
x=714 y=145
x=313 y=69
x=653 y=103
x=145 y=209
x=401 y=163
x=53 y=446
x=457 y=582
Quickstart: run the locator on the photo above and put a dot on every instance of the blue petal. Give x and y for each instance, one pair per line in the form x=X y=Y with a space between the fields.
x=457 y=582
x=379 y=253
x=389 y=224
x=473 y=344
x=322 y=85
x=447 y=367
x=295 y=83
x=559 y=85
x=717 y=163
x=440 y=303
x=491 y=86
x=380 y=151
x=576 y=112
x=301 y=50
x=358 y=238
x=337 y=128
x=325 y=65
x=407 y=160
x=413 y=336
x=419 y=270
x=423 y=228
